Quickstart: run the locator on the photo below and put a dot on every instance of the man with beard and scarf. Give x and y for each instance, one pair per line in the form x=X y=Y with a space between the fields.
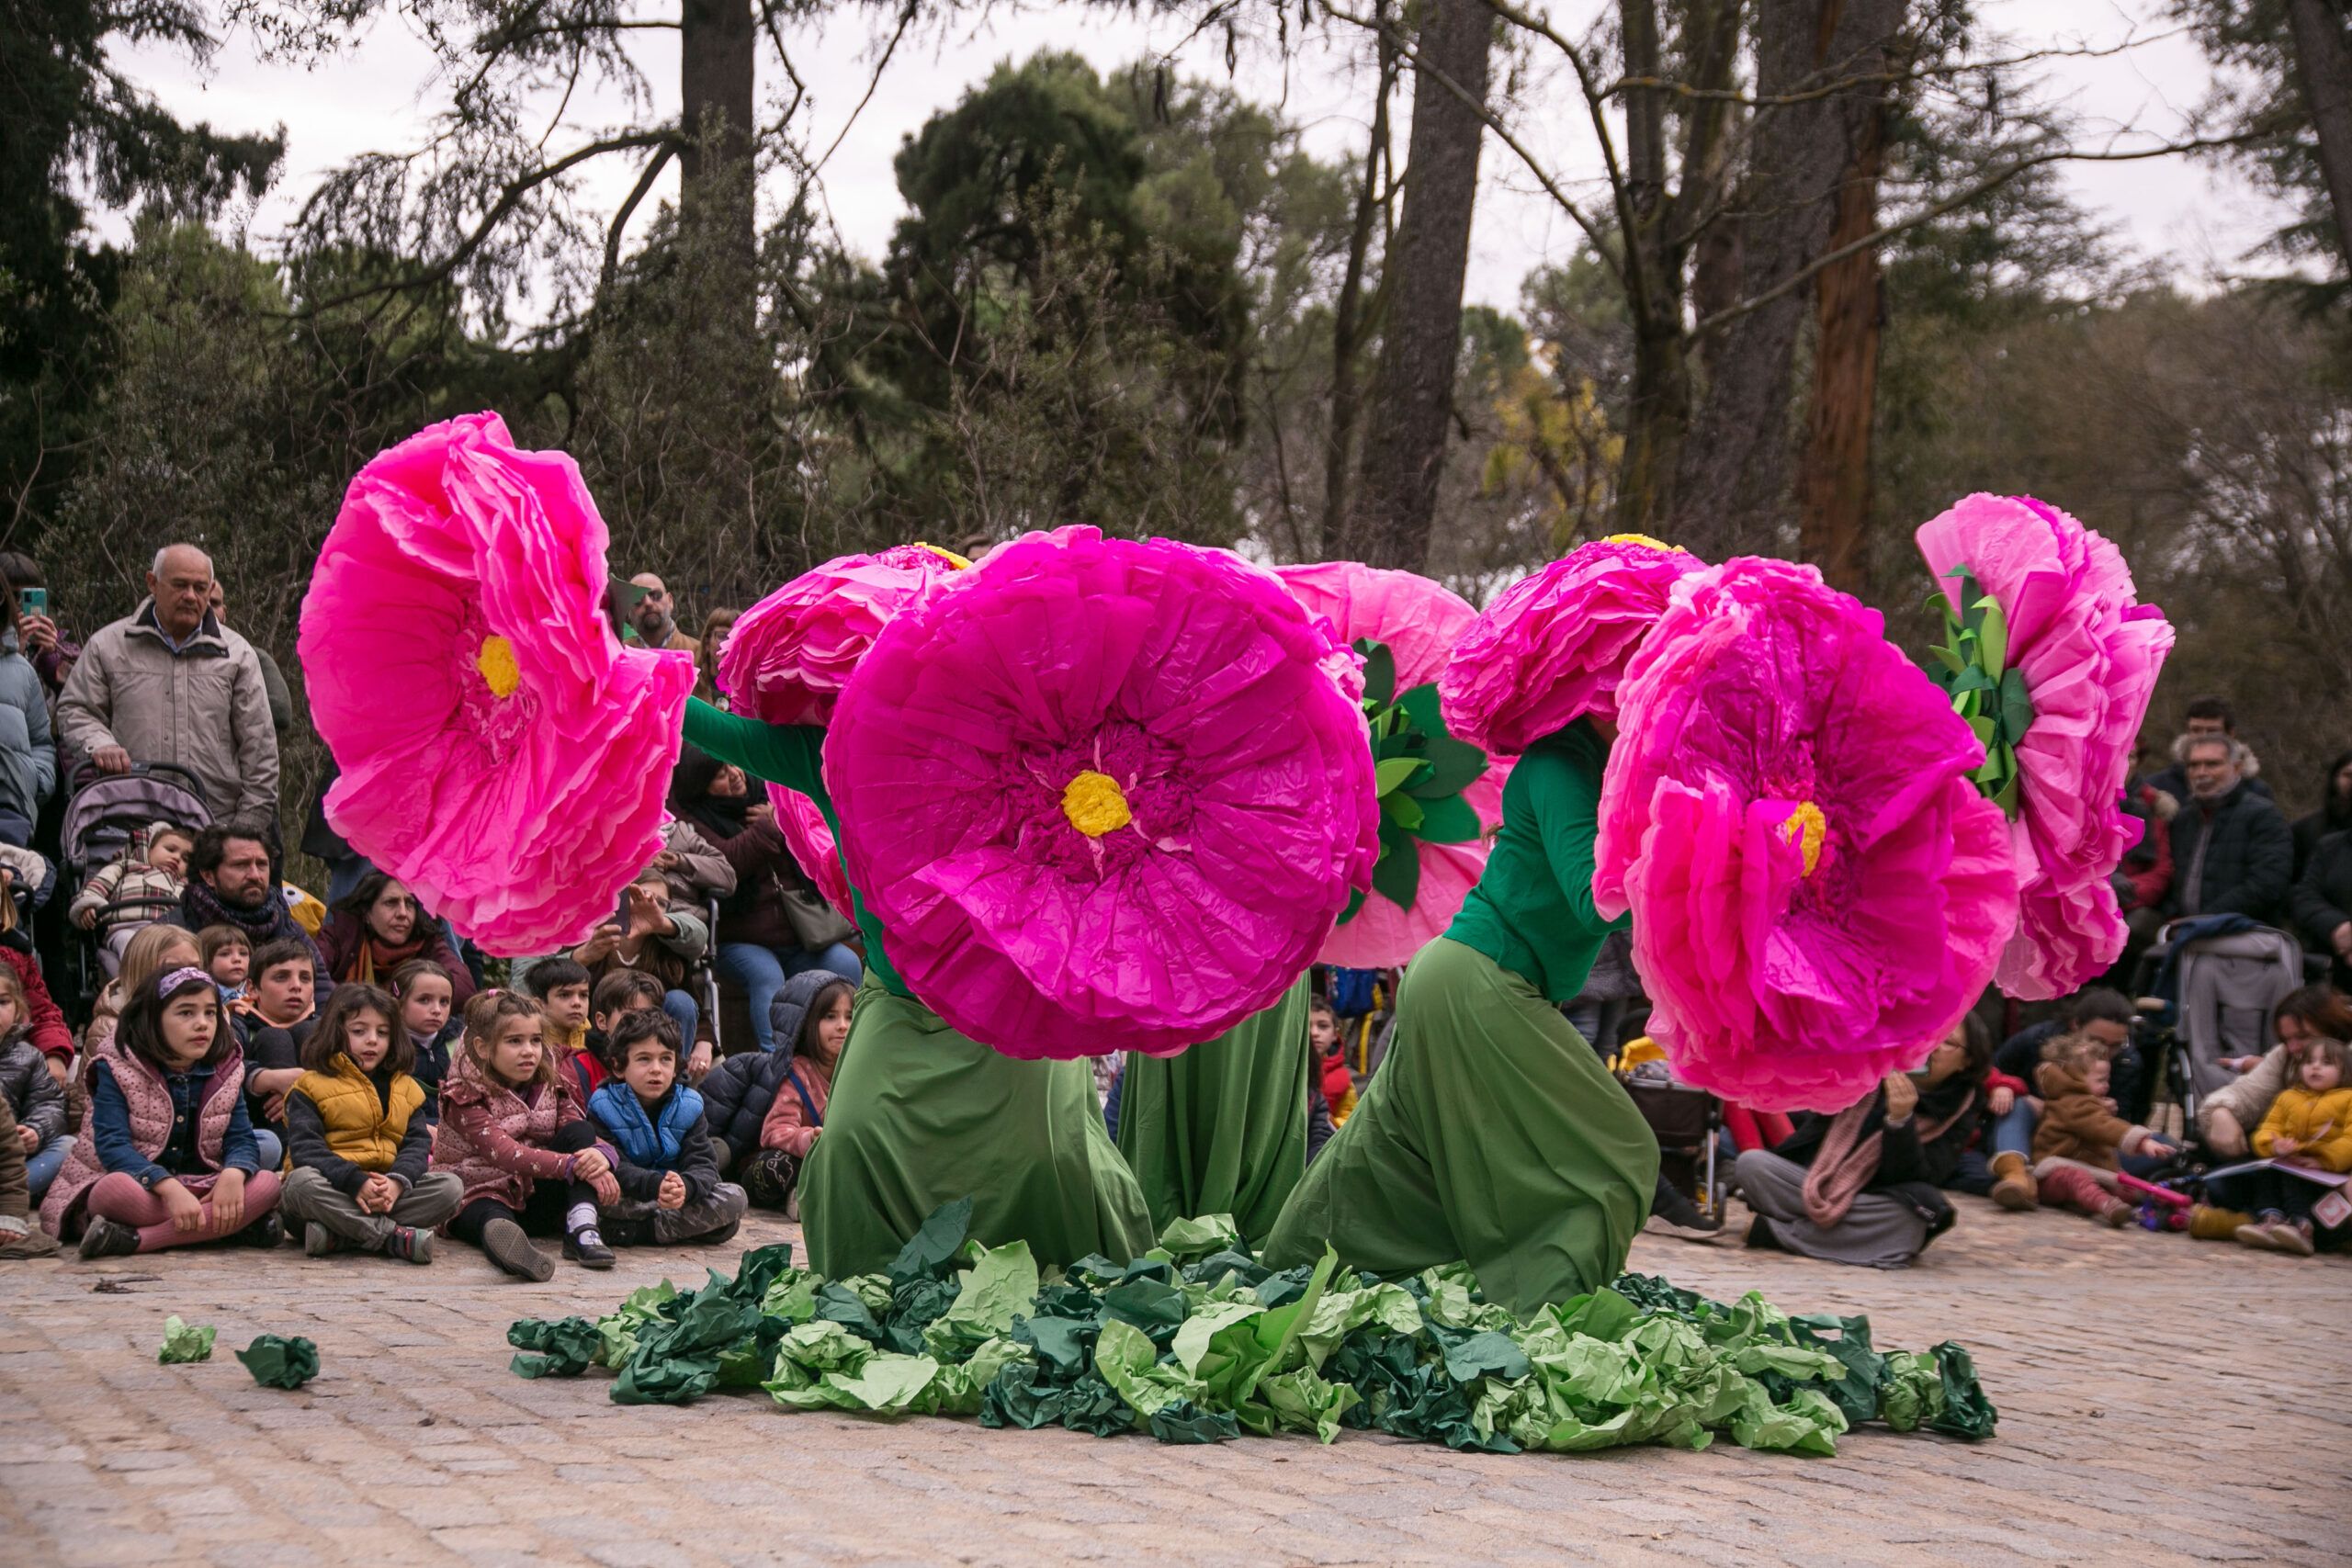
x=229 y=883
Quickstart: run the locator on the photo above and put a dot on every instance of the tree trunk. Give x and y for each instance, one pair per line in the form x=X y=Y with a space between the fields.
x=1833 y=480
x=1346 y=315
x=1731 y=495
x=1404 y=449
x=2323 y=71
x=718 y=59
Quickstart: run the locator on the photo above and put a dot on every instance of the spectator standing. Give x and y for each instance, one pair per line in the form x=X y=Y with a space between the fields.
x=715 y=627
x=654 y=616
x=229 y=884
x=2233 y=852
x=758 y=946
x=2335 y=813
x=27 y=748
x=2206 y=717
x=36 y=635
x=377 y=926
x=273 y=680
x=168 y=683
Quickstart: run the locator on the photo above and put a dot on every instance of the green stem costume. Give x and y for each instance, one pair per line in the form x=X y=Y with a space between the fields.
x=919 y=1116
x=1492 y=1133
x=1221 y=1128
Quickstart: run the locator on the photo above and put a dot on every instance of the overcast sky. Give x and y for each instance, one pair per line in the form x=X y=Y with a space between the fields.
x=379 y=96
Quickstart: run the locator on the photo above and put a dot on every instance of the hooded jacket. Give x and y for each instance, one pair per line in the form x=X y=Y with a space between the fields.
x=2321 y=1126
x=496 y=1138
x=2076 y=1125
x=203 y=706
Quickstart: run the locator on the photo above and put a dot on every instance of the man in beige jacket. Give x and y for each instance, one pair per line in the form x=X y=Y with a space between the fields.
x=169 y=683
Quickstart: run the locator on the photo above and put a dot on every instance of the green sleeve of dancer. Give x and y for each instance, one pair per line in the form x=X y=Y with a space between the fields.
x=1567 y=807
x=790 y=756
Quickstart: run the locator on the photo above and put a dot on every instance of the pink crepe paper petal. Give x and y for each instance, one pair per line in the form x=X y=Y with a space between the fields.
x=788 y=656
x=518 y=818
x=2090 y=653
x=1760 y=691
x=1421 y=622
x=811 y=838
x=1554 y=645
x=1190 y=678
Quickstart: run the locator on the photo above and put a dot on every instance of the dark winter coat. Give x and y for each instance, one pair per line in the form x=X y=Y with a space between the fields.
x=33 y=1095
x=738 y=1093
x=2249 y=860
x=2323 y=899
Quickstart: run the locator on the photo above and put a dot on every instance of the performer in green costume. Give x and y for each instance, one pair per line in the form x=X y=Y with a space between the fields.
x=919 y=1116
x=1492 y=1133
x=1221 y=1128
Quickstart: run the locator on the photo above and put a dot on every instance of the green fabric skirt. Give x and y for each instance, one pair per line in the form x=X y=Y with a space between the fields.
x=1221 y=1128
x=1490 y=1134
x=920 y=1116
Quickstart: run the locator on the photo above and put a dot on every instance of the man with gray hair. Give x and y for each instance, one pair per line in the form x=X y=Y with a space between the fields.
x=2232 y=851
x=170 y=683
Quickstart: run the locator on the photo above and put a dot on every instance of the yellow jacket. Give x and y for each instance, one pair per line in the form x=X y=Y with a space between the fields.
x=2321 y=1126
x=359 y=1126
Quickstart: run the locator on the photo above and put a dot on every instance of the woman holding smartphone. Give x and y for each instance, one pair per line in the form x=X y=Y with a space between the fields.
x=28 y=750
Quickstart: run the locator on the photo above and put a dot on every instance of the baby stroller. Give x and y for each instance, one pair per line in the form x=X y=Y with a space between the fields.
x=2225 y=989
x=102 y=811
x=1689 y=1123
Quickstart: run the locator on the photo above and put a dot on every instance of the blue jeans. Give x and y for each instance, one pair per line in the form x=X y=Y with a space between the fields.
x=761 y=972
x=42 y=1168
x=2013 y=1133
x=681 y=1007
x=273 y=1153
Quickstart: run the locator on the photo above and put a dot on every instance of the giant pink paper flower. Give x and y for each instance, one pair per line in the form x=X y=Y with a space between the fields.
x=2090 y=653
x=1554 y=646
x=811 y=838
x=1104 y=795
x=788 y=657
x=1419 y=622
x=502 y=753
x=1818 y=892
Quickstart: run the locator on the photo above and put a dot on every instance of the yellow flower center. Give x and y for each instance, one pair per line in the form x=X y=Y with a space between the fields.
x=950 y=557
x=1095 y=804
x=499 y=670
x=1645 y=539
x=1811 y=826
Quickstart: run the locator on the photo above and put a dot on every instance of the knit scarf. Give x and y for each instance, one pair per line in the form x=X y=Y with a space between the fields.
x=205 y=909
x=1846 y=1162
x=376 y=961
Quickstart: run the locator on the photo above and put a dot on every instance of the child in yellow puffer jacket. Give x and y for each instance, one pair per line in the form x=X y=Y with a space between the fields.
x=360 y=1143
x=2309 y=1124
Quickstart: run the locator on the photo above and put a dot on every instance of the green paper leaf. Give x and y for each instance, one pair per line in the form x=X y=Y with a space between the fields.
x=1447 y=821
x=1454 y=766
x=1392 y=774
x=1398 y=875
x=1992 y=639
x=1402 y=809
x=1379 y=673
x=1001 y=1284
x=570 y=1344
x=280 y=1363
x=930 y=1252
x=1189 y=1239
x=186 y=1341
x=1355 y=902
x=1422 y=706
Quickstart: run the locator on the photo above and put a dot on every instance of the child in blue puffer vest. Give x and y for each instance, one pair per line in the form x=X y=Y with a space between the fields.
x=668 y=1171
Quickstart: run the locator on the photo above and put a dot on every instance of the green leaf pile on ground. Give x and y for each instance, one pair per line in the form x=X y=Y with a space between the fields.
x=1198 y=1342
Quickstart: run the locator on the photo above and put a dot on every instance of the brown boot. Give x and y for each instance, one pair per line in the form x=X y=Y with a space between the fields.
x=2013 y=1184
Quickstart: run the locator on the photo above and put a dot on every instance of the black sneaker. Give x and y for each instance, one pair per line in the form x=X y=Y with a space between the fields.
x=588 y=1249
x=1679 y=1215
x=267 y=1231
x=1761 y=1235
x=505 y=1245
x=107 y=1238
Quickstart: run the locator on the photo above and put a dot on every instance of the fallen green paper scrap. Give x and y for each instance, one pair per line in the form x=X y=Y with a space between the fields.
x=280 y=1363
x=186 y=1341
x=1199 y=1342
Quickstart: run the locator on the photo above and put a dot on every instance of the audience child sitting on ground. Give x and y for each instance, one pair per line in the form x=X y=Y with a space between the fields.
x=228 y=954
x=771 y=1176
x=2080 y=1137
x=277 y=1024
x=2309 y=1124
x=136 y=889
x=158 y=948
x=356 y=1127
x=561 y=985
x=20 y=1233
x=670 y=1191
x=425 y=994
x=515 y=1129
x=169 y=1157
x=34 y=1102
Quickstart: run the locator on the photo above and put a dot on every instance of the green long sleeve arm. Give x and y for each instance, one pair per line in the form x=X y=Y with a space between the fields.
x=792 y=757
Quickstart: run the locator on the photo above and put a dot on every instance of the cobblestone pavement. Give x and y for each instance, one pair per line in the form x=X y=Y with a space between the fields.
x=2163 y=1402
